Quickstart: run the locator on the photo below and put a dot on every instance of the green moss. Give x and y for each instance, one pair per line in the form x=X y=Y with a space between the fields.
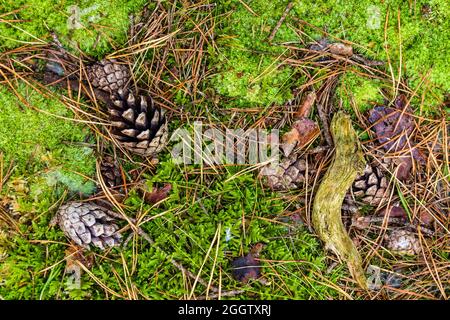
x=101 y=24
x=184 y=230
x=363 y=92
x=249 y=73
x=422 y=43
x=42 y=144
x=249 y=66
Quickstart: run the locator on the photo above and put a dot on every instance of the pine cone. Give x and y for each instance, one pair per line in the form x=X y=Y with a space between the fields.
x=371 y=186
x=290 y=173
x=88 y=224
x=402 y=242
x=108 y=75
x=137 y=124
x=110 y=172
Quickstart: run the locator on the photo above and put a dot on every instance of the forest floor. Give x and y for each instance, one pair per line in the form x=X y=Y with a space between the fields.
x=229 y=64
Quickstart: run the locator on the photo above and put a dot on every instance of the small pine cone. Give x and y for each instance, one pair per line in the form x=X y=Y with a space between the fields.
x=108 y=75
x=137 y=124
x=110 y=172
x=289 y=174
x=88 y=224
x=402 y=242
x=371 y=186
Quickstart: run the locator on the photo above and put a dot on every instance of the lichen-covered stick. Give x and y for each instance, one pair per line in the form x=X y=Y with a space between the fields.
x=347 y=163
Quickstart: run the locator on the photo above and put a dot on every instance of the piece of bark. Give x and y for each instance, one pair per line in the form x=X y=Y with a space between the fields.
x=348 y=162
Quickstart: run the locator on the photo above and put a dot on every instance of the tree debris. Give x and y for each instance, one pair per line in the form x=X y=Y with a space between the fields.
x=393 y=127
x=303 y=132
x=248 y=267
x=347 y=163
x=402 y=242
x=306 y=105
x=156 y=194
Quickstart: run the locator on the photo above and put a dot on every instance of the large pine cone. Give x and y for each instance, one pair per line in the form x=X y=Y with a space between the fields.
x=371 y=186
x=290 y=173
x=108 y=75
x=137 y=124
x=88 y=224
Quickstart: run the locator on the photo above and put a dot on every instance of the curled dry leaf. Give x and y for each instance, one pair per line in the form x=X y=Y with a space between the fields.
x=107 y=200
x=76 y=254
x=306 y=105
x=248 y=267
x=156 y=195
x=303 y=131
x=425 y=217
x=336 y=48
x=394 y=212
x=341 y=49
x=393 y=127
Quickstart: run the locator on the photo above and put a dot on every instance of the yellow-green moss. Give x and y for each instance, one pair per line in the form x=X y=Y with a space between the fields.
x=42 y=145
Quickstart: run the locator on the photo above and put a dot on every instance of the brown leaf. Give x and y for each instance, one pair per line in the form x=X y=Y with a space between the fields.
x=157 y=194
x=306 y=105
x=425 y=218
x=248 y=267
x=75 y=253
x=303 y=131
x=404 y=167
x=394 y=212
x=341 y=49
x=393 y=127
x=102 y=199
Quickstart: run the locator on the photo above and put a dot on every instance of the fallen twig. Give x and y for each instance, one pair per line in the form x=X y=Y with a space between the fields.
x=279 y=23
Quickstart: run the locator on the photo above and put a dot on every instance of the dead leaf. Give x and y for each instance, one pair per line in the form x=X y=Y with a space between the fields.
x=248 y=267
x=157 y=194
x=336 y=48
x=306 y=105
x=393 y=127
x=394 y=212
x=75 y=254
x=341 y=49
x=425 y=217
x=303 y=131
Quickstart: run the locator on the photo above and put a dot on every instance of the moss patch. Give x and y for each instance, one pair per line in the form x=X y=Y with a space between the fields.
x=248 y=64
x=93 y=26
x=249 y=67
x=42 y=145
